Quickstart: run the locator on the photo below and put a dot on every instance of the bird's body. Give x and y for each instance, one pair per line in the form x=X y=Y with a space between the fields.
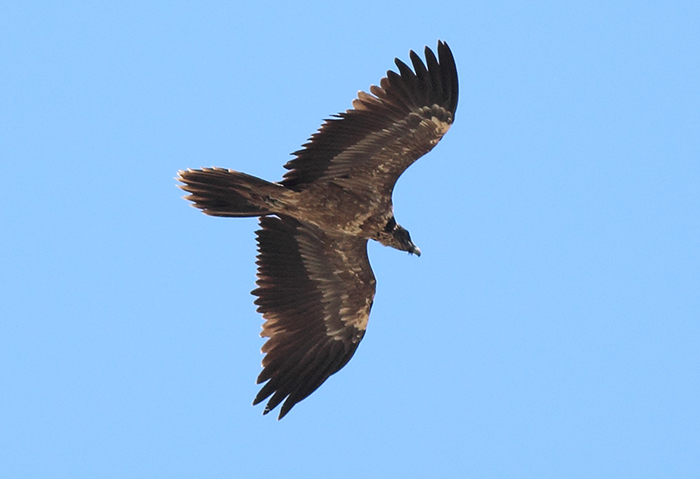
x=315 y=284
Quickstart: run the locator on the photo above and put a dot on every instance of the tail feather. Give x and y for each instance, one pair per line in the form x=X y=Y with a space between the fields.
x=222 y=192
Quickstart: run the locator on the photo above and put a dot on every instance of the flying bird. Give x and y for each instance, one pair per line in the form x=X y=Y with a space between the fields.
x=315 y=286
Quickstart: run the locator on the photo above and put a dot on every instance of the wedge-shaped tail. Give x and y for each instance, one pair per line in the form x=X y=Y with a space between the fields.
x=222 y=192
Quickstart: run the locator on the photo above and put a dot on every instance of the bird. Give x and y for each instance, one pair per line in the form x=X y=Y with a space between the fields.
x=315 y=285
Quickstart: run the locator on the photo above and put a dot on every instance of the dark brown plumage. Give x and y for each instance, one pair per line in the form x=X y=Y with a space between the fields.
x=315 y=284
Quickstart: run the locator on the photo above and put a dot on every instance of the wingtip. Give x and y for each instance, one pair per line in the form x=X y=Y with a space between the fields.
x=267 y=410
x=442 y=45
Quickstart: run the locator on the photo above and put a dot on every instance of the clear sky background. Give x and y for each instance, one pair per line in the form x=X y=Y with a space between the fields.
x=550 y=329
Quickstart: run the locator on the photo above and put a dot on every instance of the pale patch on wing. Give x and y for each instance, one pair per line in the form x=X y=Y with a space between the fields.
x=339 y=266
x=358 y=318
x=442 y=126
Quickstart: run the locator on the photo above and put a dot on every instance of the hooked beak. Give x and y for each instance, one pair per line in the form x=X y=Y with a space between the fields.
x=415 y=250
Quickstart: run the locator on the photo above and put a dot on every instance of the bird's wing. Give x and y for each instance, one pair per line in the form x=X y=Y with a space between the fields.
x=385 y=131
x=315 y=293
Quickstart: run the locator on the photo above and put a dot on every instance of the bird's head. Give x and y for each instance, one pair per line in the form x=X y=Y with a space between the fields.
x=398 y=237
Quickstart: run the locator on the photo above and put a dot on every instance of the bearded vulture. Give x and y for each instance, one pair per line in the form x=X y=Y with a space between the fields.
x=315 y=286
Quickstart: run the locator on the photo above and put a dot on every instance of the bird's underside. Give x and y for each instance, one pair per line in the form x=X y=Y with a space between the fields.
x=315 y=284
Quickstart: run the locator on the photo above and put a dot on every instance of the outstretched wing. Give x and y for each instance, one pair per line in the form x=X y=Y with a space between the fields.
x=315 y=292
x=386 y=131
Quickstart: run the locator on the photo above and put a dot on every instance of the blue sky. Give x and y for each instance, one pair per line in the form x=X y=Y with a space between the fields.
x=550 y=328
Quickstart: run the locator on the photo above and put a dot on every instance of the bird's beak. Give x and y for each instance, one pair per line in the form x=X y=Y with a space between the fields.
x=415 y=250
